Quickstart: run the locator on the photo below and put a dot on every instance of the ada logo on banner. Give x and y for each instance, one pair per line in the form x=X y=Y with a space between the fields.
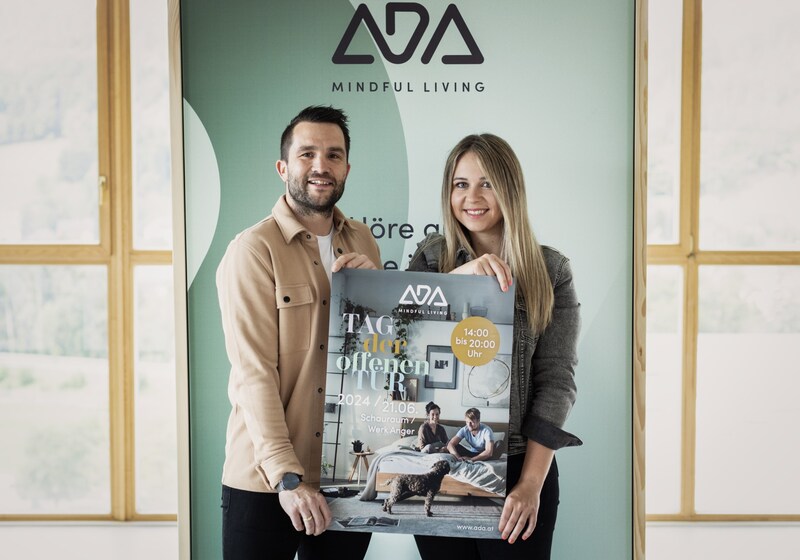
x=451 y=15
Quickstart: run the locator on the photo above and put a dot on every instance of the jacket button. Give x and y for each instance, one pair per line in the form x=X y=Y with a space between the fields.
x=322 y=347
x=318 y=434
x=308 y=236
x=315 y=262
x=319 y=390
x=324 y=302
x=339 y=250
x=287 y=299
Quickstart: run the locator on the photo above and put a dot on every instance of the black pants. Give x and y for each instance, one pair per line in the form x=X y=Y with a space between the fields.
x=537 y=547
x=255 y=527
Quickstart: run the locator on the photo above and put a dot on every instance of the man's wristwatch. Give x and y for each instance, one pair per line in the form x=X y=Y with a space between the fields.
x=290 y=481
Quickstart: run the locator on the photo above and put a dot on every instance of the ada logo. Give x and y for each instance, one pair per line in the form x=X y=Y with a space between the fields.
x=451 y=15
x=423 y=294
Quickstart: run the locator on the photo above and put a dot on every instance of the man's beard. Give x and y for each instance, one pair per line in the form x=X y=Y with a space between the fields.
x=299 y=191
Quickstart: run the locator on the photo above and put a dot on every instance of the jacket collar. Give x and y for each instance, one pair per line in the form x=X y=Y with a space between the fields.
x=290 y=226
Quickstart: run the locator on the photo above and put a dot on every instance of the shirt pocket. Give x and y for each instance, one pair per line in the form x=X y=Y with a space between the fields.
x=294 y=304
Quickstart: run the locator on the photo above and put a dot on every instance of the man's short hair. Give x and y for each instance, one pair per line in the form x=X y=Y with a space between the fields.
x=473 y=414
x=316 y=114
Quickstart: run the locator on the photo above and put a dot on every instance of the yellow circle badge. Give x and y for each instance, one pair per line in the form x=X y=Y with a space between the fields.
x=475 y=341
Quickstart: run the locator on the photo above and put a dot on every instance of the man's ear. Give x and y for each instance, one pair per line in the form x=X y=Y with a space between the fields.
x=281 y=167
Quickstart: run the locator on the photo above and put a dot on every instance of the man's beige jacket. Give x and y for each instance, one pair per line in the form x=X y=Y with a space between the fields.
x=274 y=296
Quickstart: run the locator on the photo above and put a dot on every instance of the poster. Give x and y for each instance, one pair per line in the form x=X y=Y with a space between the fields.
x=395 y=344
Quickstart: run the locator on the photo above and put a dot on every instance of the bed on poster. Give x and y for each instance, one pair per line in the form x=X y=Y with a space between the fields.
x=394 y=344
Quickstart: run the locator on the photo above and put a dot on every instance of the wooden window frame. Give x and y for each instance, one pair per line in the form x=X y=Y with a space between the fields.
x=116 y=252
x=688 y=255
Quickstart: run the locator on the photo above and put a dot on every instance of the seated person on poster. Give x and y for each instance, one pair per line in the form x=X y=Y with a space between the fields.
x=478 y=437
x=432 y=437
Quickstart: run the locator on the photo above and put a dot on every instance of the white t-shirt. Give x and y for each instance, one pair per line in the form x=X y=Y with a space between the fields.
x=326 y=252
x=478 y=442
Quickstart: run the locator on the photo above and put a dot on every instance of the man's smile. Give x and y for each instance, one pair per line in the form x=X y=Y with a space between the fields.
x=320 y=182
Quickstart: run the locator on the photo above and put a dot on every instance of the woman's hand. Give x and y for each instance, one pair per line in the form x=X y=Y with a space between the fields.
x=522 y=503
x=488 y=265
x=353 y=260
x=521 y=508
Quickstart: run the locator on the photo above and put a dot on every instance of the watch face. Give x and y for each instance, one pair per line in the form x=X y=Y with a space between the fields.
x=290 y=481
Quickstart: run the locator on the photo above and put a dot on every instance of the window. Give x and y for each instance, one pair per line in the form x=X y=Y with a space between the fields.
x=49 y=135
x=723 y=260
x=87 y=390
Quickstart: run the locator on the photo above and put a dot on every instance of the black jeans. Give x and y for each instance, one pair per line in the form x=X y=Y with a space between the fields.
x=255 y=527
x=537 y=547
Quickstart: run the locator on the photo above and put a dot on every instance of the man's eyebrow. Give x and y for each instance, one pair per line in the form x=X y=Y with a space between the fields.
x=314 y=148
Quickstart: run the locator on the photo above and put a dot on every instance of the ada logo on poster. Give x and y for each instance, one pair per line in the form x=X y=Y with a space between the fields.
x=423 y=295
x=451 y=16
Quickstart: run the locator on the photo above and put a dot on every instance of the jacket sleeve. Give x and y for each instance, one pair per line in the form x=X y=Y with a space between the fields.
x=426 y=257
x=553 y=367
x=246 y=289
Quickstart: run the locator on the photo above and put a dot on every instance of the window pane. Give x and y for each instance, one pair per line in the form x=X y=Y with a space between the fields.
x=48 y=122
x=152 y=207
x=54 y=390
x=664 y=386
x=748 y=382
x=750 y=154
x=664 y=121
x=154 y=378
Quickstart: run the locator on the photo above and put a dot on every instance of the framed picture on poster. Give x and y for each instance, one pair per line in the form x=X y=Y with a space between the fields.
x=444 y=365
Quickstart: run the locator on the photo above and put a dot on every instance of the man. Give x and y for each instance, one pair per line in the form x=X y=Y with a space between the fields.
x=478 y=437
x=274 y=292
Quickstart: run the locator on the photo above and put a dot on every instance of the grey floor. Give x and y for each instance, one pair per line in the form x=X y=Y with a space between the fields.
x=158 y=541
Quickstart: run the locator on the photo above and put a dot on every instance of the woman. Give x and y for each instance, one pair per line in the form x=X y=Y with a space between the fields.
x=487 y=232
x=432 y=437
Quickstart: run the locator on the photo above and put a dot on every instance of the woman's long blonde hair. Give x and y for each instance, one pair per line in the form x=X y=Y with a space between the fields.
x=519 y=248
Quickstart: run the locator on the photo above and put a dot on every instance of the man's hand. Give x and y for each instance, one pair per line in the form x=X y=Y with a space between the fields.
x=452 y=448
x=353 y=260
x=486 y=454
x=488 y=265
x=307 y=509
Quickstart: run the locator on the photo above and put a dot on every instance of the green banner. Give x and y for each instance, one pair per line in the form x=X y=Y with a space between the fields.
x=553 y=78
